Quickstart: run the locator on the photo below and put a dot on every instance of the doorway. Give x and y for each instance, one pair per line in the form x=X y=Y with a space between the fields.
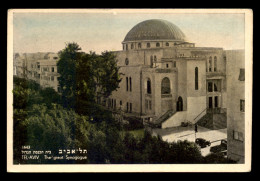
x=216 y=101
x=210 y=103
x=179 y=104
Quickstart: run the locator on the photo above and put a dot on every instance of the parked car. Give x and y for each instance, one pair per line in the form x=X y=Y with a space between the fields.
x=222 y=148
x=202 y=142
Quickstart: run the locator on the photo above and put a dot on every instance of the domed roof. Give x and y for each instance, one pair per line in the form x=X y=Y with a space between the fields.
x=155 y=29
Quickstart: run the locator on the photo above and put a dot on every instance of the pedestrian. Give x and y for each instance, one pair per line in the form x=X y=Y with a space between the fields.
x=196 y=128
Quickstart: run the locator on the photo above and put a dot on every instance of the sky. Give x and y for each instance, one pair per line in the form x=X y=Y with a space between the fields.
x=49 y=32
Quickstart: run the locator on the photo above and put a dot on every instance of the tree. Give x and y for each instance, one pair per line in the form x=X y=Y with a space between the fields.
x=67 y=70
x=85 y=78
x=107 y=74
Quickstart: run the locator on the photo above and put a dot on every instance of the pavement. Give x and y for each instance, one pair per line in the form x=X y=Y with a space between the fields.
x=188 y=133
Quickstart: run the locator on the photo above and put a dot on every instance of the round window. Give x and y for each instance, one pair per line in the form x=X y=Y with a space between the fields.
x=126 y=61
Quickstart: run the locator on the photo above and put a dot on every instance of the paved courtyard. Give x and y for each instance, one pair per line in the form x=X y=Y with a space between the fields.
x=188 y=133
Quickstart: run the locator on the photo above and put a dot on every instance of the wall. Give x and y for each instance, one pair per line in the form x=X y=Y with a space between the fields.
x=175 y=120
x=235 y=92
x=191 y=65
x=182 y=81
x=195 y=106
x=121 y=94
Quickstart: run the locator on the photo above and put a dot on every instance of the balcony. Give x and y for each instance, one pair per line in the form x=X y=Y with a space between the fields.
x=148 y=95
x=216 y=110
x=215 y=75
x=163 y=70
x=166 y=96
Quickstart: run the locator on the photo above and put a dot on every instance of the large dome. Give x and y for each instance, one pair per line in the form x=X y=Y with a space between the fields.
x=155 y=29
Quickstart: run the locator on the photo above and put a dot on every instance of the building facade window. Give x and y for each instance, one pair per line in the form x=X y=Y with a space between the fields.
x=155 y=58
x=130 y=84
x=151 y=61
x=52 y=69
x=126 y=61
x=167 y=44
x=242 y=75
x=127 y=107
x=215 y=64
x=174 y=64
x=242 y=105
x=215 y=87
x=210 y=64
x=126 y=46
x=126 y=83
x=157 y=44
x=120 y=103
x=139 y=45
x=52 y=78
x=150 y=105
x=149 y=91
x=132 y=46
x=238 y=136
x=210 y=89
x=130 y=107
x=166 y=87
x=148 y=45
x=167 y=65
x=196 y=78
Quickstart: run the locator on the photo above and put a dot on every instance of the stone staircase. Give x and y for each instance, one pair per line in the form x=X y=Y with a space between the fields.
x=213 y=120
x=206 y=121
x=158 y=122
x=220 y=121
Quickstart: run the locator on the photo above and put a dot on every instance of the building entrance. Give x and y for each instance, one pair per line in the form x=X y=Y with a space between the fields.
x=216 y=101
x=210 y=103
x=179 y=104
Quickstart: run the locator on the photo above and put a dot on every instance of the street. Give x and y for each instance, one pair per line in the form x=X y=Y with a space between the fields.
x=188 y=133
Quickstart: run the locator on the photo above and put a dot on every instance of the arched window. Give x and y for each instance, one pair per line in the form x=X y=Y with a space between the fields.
x=157 y=44
x=155 y=59
x=196 y=78
x=151 y=61
x=167 y=44
x=148 y=45
x=149 y=90
x=210 y=64
x=166 y=86
x=132 y=46
x=139 y=45
x=215 y=64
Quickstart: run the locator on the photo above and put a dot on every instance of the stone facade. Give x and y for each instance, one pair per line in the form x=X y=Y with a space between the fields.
x=236 y=104
x=168 y=73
